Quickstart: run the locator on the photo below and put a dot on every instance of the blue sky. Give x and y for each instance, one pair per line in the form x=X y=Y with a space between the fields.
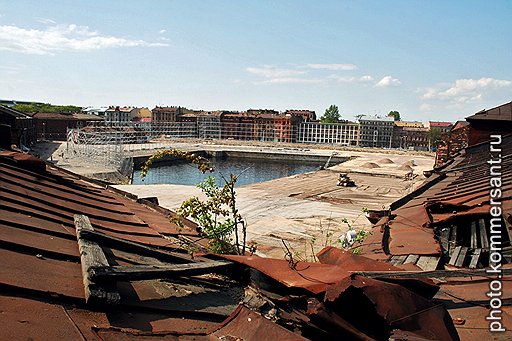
x=430 y=60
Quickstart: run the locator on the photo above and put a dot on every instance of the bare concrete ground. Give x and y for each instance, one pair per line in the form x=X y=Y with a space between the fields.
x=305 y=210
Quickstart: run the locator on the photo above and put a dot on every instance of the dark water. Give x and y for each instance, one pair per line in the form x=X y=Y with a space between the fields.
x=249 y=171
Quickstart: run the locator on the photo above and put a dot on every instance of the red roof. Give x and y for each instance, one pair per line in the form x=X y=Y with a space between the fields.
x=440 y=124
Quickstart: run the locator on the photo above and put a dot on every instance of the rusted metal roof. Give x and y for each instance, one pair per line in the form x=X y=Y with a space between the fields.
x=499 y=113
x=459 y=189
x=456 y=196
x=42 y=275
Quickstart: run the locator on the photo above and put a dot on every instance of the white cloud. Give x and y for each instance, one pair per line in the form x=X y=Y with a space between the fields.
x=61 y=38
x=332 y=67
x=269 y=71
x=343 y=79
x=162 y=31
x=464 y=90
x=388 y=81
x=426 y=107
x=11 y=69
x=46 y=21
x=290 y=80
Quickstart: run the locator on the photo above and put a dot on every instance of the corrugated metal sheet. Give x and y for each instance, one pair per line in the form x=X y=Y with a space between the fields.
x=42 y=272
x=463 y=190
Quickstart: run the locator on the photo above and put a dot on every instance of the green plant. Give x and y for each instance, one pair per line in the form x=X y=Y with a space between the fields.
x=202 y=164
x=217 y=216
x=360 y=235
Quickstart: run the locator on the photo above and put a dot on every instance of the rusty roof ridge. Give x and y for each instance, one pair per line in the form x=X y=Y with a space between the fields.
x=504 y=157
x=62 y=235
x=71 y=211
x=37 y=252
x=52 y=183
x=432 y=181
x=41 y=296
x=35 y=189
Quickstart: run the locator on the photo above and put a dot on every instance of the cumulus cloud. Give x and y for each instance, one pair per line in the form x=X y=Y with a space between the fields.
x=61 y=38
x=463 y=90
x=332 y=67
x=388 y=81
x=162 y=31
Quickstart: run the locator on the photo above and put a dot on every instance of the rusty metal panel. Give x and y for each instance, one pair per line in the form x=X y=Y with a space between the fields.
x=244 y=324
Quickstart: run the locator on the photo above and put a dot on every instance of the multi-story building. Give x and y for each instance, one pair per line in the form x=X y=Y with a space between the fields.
x=346 y=134
x=376 y=132
x=442 y=127
x=98 y=111
x=307 y=115
x=410 y=135
x=166 y=114
x=120 y=115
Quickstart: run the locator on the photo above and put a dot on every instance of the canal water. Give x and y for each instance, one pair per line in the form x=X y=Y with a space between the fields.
x=248 y=170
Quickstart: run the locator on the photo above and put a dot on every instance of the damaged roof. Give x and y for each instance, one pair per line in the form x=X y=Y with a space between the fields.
x=447 y=222
x=460 y=188
x=65 y=240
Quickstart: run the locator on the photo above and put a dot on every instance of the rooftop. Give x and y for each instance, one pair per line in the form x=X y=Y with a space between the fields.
x=102 y=264
x=500 y=113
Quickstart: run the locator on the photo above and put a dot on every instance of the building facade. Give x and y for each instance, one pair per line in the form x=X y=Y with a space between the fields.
x=345 y=134
x=120 y=115
x=376 y=132
x=410 y=135
x=22 y=126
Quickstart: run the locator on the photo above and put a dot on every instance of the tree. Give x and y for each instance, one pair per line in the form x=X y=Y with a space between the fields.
x=331 y=115
x=434 y=137
x=46 y=108
x=395 y=114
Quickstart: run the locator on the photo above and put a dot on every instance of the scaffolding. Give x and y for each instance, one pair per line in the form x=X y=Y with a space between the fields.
x=111 y=144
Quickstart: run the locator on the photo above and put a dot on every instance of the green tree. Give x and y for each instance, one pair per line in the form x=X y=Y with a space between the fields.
x=331 y=115
x=47 y=108
x=395 y=114
x=434 y=136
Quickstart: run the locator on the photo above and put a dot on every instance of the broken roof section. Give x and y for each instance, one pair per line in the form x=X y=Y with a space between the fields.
x=103 y=266
x=457 y=191
x=445 y=225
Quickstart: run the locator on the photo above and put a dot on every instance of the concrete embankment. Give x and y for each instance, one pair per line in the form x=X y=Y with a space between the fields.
x=255 y=155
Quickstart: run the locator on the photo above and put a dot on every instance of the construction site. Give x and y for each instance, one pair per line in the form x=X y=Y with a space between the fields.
x=108 y=262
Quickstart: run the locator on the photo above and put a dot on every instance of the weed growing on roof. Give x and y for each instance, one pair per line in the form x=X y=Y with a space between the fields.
x=217 y=216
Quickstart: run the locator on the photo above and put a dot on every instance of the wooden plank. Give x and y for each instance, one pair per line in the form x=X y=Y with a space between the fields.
x=428 y=263
x=126 y=245
x=475 y=258
x=398 y=260
x=432 y=273
x=444 y=238
x=412 y=259
x=453 y=239
x=455 y=255
x=484 y=240
x=462 y=256
x=474 y=236
x=92 y=256
x=145 y=272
